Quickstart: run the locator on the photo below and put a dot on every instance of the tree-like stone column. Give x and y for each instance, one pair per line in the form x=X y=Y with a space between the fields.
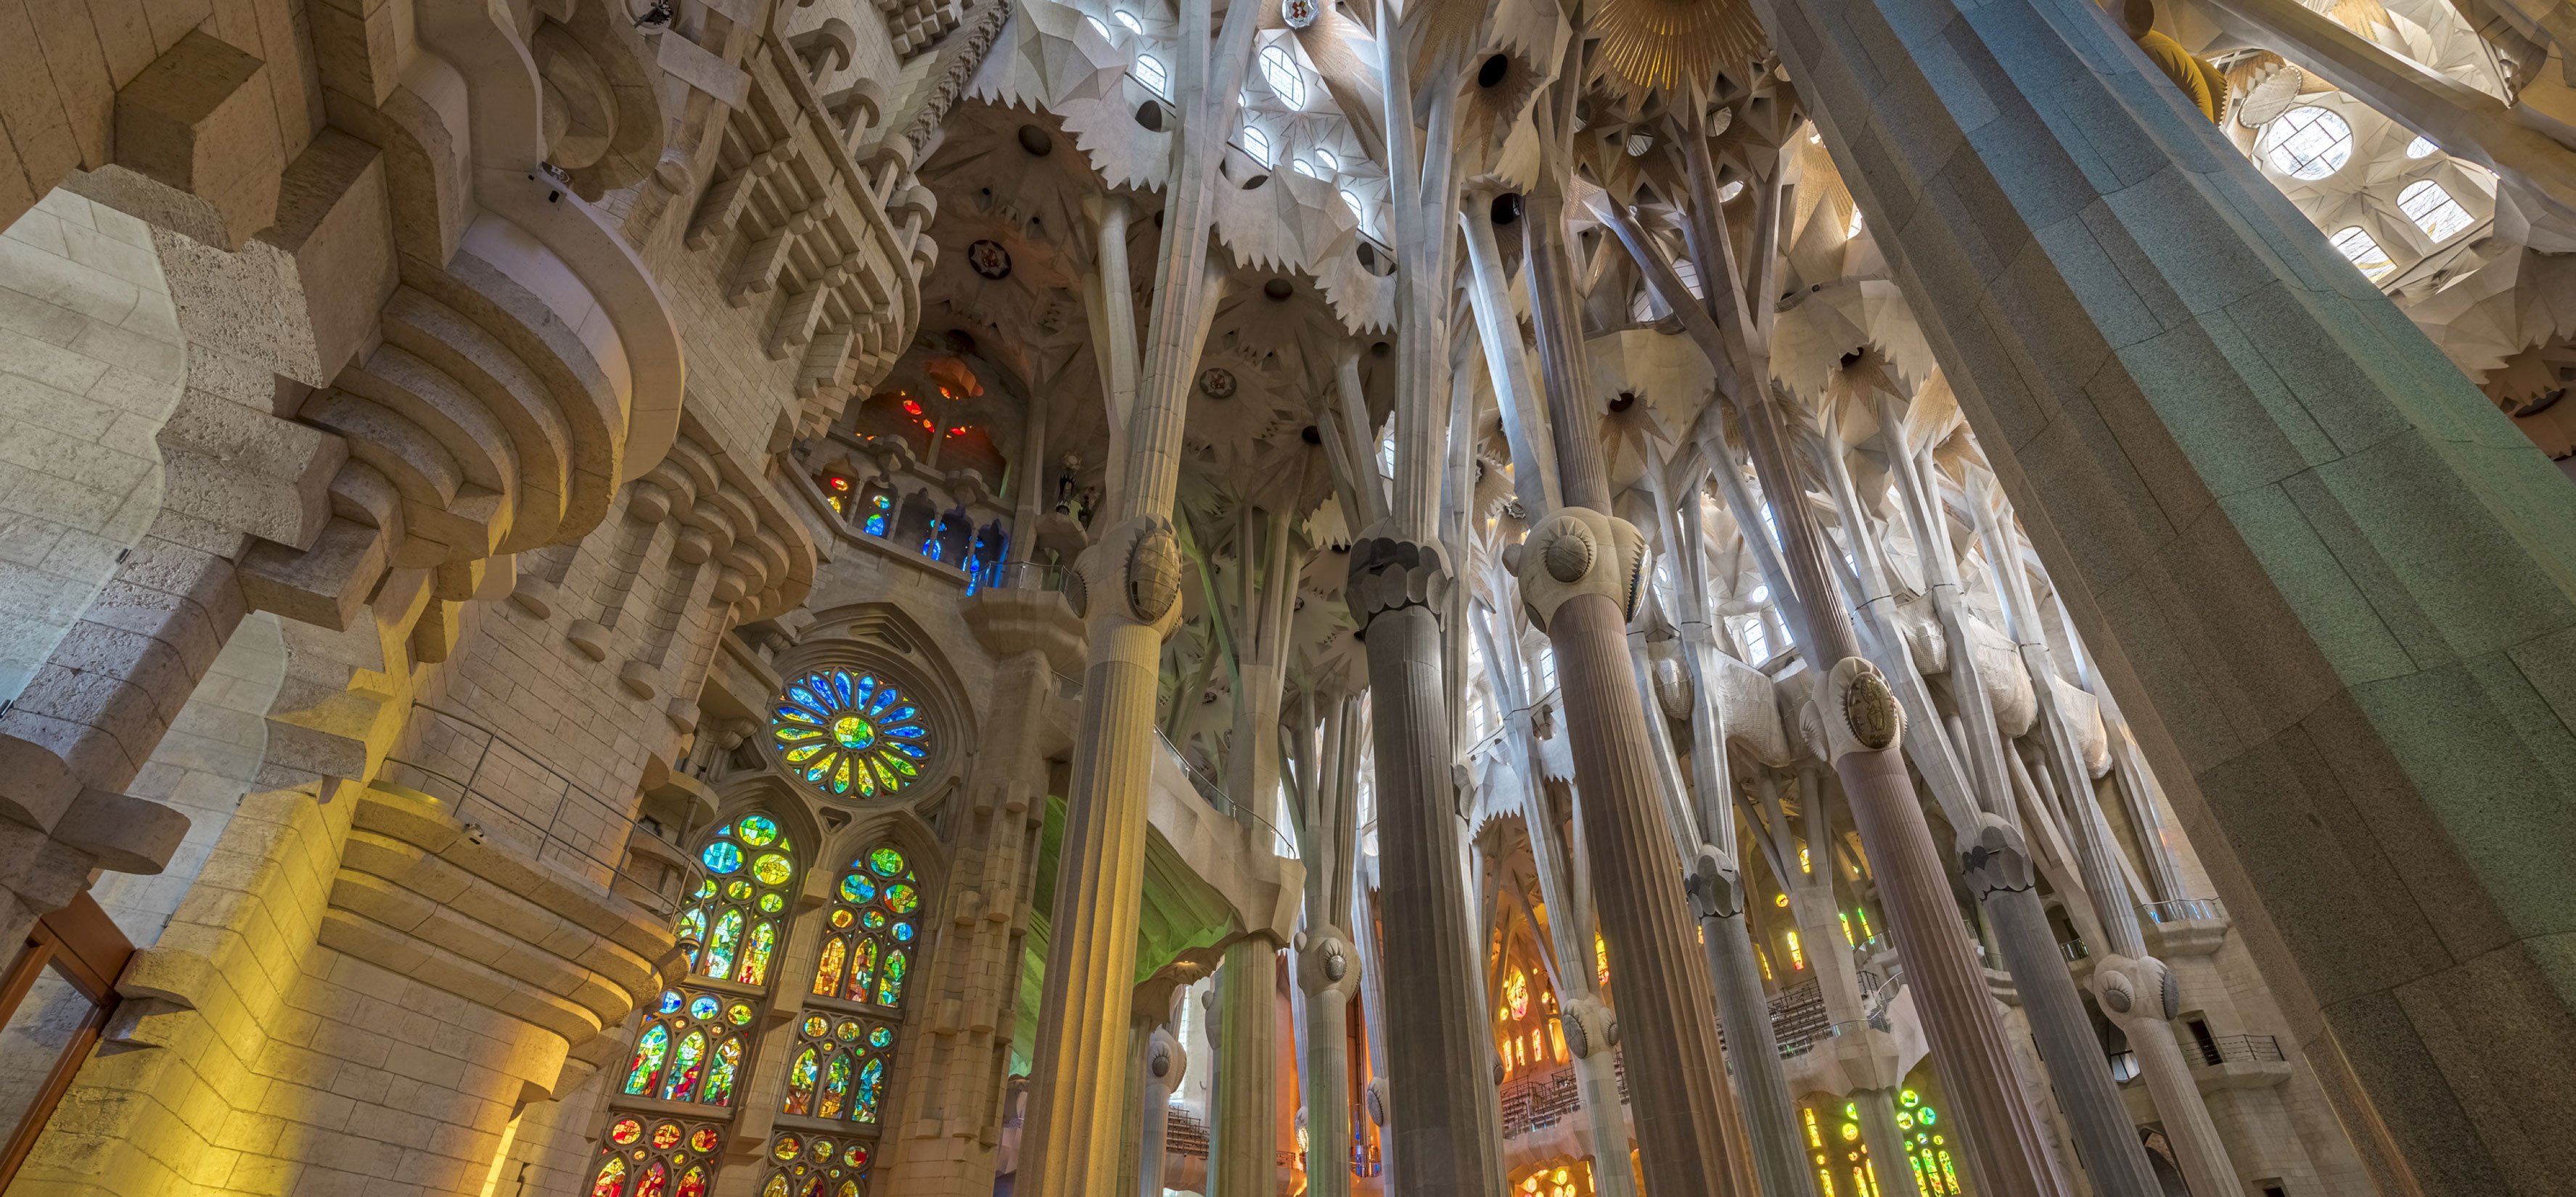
x=1582 y=573
x=1128 y=582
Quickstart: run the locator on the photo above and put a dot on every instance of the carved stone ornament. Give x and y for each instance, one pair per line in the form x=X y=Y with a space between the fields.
x=1579 y=551
x=1389 y=575
x=1154 y=574
x=1217 y=382
x=1299 y=14
x=989 y=259
x=1870 y=707
x=1997 y=860
x=1713 y=885
x=1857 y=710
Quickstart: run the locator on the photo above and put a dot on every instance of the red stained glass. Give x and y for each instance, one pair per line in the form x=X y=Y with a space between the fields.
x=665 y=1135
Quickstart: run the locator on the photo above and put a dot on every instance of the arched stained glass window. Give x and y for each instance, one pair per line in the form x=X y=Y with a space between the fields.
x=2433 y=210
x=2362 y=250
x=841 y=1060
x=849 y=734
x=873 y=929
x=696 y=1040
x=1150 y=72
x=644 y=1156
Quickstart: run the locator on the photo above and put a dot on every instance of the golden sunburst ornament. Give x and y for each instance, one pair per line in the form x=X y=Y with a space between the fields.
x=1658 y=45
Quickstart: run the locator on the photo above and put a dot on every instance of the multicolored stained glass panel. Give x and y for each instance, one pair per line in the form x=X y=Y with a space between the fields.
x=850 y=734
x=875 y=919
x=817 y=1167
x=645 y=1156
x=730 y=930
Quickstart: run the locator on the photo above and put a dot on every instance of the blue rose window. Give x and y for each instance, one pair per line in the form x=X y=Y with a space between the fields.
x=850 y=734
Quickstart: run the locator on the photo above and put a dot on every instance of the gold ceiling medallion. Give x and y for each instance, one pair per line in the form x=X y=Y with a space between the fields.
x=1659 y=45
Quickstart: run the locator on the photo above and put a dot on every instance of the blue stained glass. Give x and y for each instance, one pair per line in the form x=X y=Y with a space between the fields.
x=906 y=713
x=841 y=687
x=909 y=733
x=876 y=525
x=704 y=1007
x=670 y=1000
x=857 y=888
x=903 y=933
x=721 y=857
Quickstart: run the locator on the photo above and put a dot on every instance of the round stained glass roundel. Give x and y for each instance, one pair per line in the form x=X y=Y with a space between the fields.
x=850 y=734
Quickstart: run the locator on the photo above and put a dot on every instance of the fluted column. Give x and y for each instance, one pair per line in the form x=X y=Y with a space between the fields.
x=1577 y=571
x=1243 y=1159
x=1328 y=972
x=1166 y=1061
x=1437 y=1047
x=1127 y=587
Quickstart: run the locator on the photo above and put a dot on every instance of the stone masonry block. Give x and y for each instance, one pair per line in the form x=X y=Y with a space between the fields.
x=195 y=144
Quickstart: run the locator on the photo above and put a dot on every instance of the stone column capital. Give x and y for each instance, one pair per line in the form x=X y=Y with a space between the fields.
x=1328 y=963
x=1589 y=1025
x=1575 y=551
x=2135 y=989
x=1131 y=575
x=1715 y=885
x=1996 y=859
x=1390 y=574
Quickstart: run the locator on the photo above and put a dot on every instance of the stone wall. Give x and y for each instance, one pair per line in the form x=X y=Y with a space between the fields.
x=91 y=362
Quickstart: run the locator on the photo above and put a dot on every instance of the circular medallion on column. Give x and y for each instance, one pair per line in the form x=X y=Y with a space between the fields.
x=1154 y=574
x=1870 y=708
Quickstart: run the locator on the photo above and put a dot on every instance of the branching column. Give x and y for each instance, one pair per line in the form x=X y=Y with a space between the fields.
x=1129 y=592
x=1581 y=571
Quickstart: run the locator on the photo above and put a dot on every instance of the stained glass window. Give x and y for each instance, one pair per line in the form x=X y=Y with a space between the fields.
x=839 y=1069
x=850 y=734
x=873 y=931
x=817 y=1166
x=644 y=1156
x=694 y=1045
x=880 y=510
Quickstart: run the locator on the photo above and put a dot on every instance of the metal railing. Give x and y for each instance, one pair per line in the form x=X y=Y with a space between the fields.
x=1028 y=575
x=2238 y=1049
x=1215 y=796
x=1533 y=1102
x=2183 y=910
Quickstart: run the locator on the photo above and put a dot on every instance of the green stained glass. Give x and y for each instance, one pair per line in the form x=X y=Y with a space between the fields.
x=693 y=925
x=721 y=946
x=772 y=903
x=738 y=1014
x=846 y=1032
x=874 y=920
x=649 y=1051
x=871 y=1088
x=890 y=986
x=737 y=889
x=720 y=1074
x=721 y=857
x=816 y=1024
x=880 y=1037
x=901 y=898
x=706 y=889
x=755 y=957
x=757 y=830
x=772 y=869
x=682 y=1083
x=886 y=862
